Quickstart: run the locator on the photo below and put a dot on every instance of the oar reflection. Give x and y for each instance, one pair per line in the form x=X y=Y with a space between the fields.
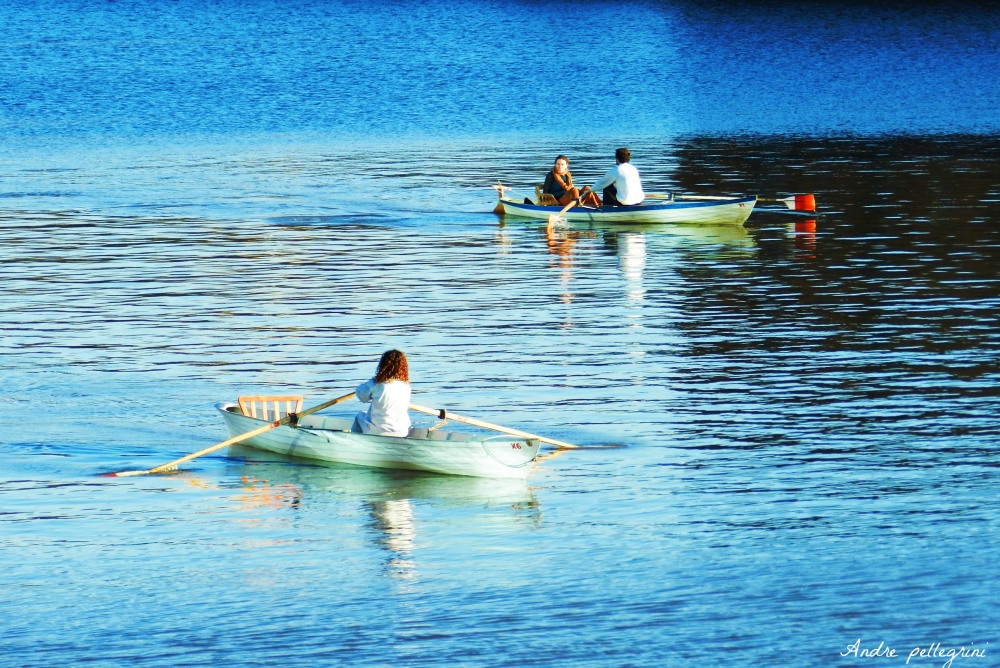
x=560 y=244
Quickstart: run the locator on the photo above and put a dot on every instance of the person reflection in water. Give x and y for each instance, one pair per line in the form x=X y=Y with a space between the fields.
x=559 y=184
x=621 y=185
x=394 y=522
x=389 y=395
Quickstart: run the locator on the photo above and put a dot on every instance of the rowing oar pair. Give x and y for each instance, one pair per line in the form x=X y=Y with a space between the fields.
x=293 y=419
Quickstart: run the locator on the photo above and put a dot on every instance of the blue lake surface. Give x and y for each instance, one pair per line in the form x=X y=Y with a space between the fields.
x=200 y=200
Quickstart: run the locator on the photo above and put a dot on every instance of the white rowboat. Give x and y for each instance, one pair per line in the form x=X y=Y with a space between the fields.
x=330 y=439
x=707 y=211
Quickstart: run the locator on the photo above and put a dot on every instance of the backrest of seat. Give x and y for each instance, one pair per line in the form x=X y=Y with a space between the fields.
x=544 y=199
x=273 y=404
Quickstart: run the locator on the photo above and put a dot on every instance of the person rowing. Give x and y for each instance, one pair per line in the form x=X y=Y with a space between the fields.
x=621 y=185
x=559 y=184
x=389 y=394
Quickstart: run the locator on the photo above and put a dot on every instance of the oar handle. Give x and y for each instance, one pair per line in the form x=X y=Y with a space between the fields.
x=169 y=466
x=447 y=415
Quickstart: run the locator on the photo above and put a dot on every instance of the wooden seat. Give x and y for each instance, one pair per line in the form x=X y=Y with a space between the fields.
x=288 y=403
x=544 y=199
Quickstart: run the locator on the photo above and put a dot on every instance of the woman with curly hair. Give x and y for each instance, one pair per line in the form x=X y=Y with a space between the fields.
x=559 y=184
x=389 y=395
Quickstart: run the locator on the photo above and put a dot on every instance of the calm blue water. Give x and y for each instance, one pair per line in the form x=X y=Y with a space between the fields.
x=205 y=199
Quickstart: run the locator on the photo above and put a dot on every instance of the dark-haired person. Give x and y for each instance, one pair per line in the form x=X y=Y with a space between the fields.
x=559 y=184
x=389 y=395
x=621 y=184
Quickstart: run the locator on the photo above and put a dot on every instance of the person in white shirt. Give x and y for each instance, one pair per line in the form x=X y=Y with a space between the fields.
x=389 y=395
x=621 y=185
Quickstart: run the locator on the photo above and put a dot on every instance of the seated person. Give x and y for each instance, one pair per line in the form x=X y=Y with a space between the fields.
x=389 y=395
x=559 y=184
x=621 y=184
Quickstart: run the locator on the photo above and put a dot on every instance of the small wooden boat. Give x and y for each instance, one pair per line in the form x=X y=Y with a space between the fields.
x=425 y=449
x=690 y=209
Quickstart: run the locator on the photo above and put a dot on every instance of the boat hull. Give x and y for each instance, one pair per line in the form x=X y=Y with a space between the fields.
x=327 y=439
x=729 y=211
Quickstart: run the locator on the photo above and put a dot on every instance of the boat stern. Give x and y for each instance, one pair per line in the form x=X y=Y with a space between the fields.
x=518 y=454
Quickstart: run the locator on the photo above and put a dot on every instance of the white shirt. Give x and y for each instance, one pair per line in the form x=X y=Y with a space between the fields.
x=388 y=413
x=625 y=178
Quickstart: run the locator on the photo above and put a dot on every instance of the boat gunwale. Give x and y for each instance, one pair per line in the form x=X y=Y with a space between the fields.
x=226 y=406
x=666 y=206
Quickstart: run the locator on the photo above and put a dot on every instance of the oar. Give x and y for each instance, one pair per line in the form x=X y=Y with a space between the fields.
x=554 y=217
x=795 y=202
x=673 y=196
x=445 y=415
x=288 y=419
x=713 y=198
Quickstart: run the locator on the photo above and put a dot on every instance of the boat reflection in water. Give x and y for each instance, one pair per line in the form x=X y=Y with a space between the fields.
x=392 y=499
x=316 y=477
x=636 y=246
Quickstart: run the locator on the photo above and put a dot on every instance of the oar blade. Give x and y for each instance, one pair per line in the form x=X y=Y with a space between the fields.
x=124 y=474
x=800 y=202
